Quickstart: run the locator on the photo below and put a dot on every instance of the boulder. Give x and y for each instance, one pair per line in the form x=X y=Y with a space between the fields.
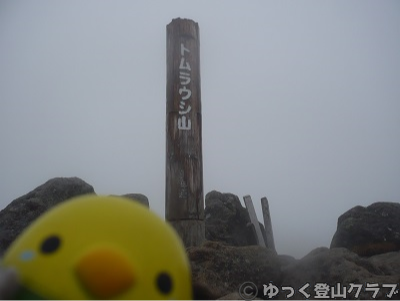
x=141 y=198
x=388 y=263
x=223 y=268
x=286 y=260
x=343 y=267
x=235 y=296
x=8 y=283
x=25 y=209
x=228 y=221
x=202 y=292
x=369 y=230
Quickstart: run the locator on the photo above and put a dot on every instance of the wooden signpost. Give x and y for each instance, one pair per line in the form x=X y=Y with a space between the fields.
x=184 y=197
x=267 y=224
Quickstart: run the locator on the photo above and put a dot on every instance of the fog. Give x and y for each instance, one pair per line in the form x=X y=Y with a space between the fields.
x=300 y=103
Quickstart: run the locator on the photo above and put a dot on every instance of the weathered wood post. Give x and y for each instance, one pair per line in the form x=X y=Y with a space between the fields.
x=253 y=218
x=267 y=224
x=184 y=197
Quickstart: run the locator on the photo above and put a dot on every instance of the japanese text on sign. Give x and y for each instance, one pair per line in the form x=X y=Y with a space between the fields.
x=184 y=123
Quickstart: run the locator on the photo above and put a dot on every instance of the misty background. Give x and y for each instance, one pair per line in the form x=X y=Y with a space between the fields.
x=300 y=103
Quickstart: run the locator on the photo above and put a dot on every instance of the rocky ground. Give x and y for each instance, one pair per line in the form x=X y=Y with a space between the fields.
x=363 y=261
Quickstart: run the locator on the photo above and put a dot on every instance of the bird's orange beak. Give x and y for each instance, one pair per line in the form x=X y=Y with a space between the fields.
x=105 y=272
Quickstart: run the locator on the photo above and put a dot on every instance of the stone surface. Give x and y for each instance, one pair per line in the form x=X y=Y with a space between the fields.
x=202 y=292
x=8 y=283
x=286 y=260
x=228 y=221
x=25 y=209
x=234 y=296
x=141 y=198
x=224 y=268
x=369 y=230
x=339 y=265
x=388 y=263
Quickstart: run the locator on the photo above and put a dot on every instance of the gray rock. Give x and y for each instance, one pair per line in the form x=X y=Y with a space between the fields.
x=369 y=230
x=141 y=198
x=25 y=209
x=202 y=292
x=388 y=263
x=338 y=265
x=224 y=268
x=8 y=283
x=234 y=296
x=228 y=221
x=286 y=260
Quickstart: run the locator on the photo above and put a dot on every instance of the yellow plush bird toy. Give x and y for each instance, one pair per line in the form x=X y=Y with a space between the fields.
x=100 y=247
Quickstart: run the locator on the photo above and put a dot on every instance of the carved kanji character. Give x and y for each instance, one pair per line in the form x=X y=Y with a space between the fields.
x=184 y=124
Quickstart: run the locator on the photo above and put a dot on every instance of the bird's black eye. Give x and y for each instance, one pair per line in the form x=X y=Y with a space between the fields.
x=164 y=282
x=50 y=244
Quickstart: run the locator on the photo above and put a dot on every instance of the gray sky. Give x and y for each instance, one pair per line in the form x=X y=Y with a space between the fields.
x=300 y=103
